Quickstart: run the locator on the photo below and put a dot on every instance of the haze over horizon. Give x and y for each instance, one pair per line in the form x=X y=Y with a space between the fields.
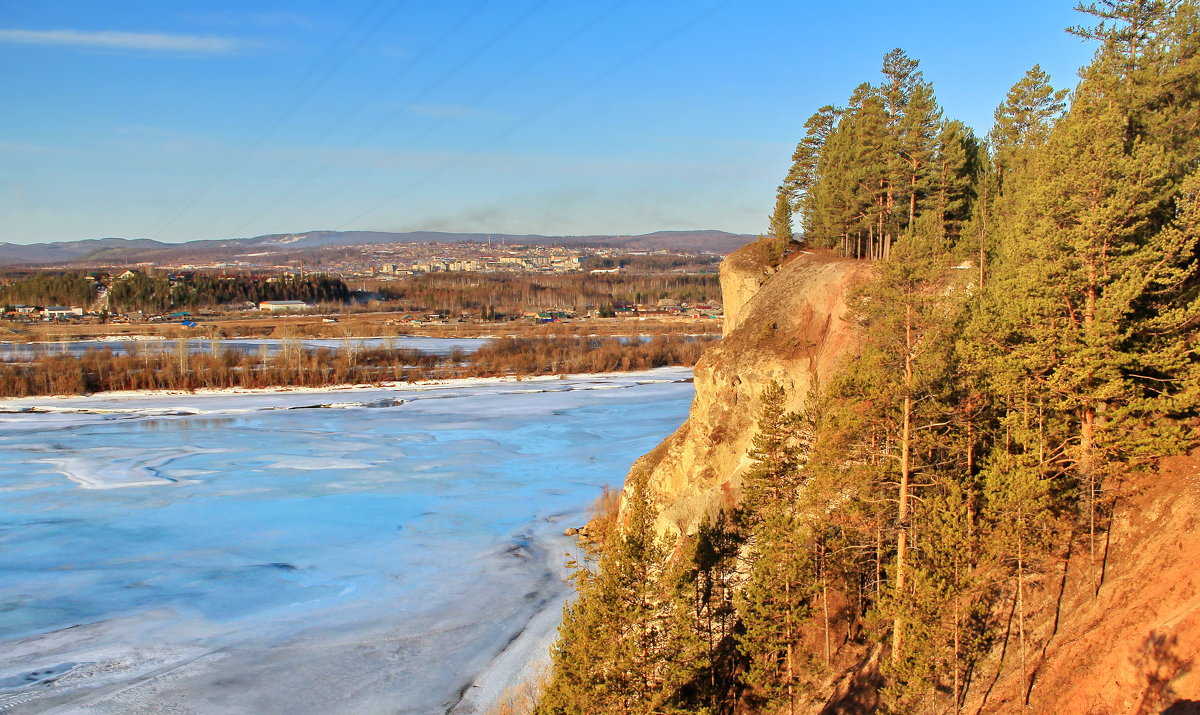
x=207 y=120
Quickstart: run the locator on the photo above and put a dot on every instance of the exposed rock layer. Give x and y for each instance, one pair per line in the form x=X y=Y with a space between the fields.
x=787 y=325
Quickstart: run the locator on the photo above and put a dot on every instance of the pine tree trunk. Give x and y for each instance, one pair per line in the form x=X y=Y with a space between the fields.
x=878 y=562
x=1086 y=442
x=905 y=467
x=879 y=237
x=1087 y=434
x=957 y=651
x=912 y=199
x=982 y=235
x=787 y=589
x=825 y=600
x=1021 y=607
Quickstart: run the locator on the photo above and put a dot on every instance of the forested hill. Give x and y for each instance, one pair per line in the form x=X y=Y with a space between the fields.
x=960 y=482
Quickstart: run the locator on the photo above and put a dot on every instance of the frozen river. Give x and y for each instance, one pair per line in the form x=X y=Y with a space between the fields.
x=374 y=550
x=271 y=346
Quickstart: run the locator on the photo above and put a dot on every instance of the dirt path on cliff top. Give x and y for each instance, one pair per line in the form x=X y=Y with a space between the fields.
x=1135 y=646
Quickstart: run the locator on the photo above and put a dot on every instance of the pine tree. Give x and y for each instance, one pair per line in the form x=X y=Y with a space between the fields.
x=1019 y=500
x=1024 y=119
x=803 y=174
x=781 y=226
x=773 y=604
x=704 y=659
x=775 y=598
x=909 y=320
x=944 y=633
x=913 y=118
x=954 y=178
x=776 y=455
x=610 y=655
x=1085 y=249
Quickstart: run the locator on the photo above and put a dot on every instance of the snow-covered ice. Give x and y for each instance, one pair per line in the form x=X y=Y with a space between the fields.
x=243 y=553
x=433 y=346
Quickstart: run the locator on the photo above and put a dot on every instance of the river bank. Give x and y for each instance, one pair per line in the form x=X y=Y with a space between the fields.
x=361 y=325
x=294 y=365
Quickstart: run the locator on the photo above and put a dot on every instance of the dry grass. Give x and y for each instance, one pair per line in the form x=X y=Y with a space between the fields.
x=360 y=325
x=521 y=699
x=605 y=511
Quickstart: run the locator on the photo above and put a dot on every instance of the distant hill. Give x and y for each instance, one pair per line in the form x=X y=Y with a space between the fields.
x=119 y=250
x=67 y=251
x=718 y=241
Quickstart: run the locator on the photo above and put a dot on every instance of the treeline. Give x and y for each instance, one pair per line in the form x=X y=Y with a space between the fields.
x=297 y=366
x=157 y=294
x=508 y=294
x=49 y=289
x=554 y=356
x=653 y=264
x=884 y=166
x=901 y=525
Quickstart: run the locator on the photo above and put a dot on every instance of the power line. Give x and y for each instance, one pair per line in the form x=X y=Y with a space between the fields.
x=326 y=65
x=563 y=42
x=451 y=30
x=390 y=118
x=425 y=51
x=543 y=111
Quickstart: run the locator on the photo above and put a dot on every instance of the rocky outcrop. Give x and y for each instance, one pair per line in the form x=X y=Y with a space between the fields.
x=743 y=272
x=792 y=329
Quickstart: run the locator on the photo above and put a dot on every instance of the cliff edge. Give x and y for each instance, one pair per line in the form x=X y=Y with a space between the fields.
x=786 y=324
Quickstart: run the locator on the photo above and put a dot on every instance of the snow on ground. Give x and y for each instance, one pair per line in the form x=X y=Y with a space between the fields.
x=239 y=553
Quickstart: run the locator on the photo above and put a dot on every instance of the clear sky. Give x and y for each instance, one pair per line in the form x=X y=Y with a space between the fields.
x=196 y=119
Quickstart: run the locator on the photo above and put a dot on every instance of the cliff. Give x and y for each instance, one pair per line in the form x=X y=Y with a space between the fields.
x=785 y=324
x=1129 y=646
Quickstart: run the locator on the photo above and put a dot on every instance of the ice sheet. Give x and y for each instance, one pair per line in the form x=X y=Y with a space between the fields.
x=433 y=346
x=262 y=558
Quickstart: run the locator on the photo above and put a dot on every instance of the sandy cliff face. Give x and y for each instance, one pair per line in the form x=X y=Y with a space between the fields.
x=1132 y=645
x=742 y=274
x=792 y=329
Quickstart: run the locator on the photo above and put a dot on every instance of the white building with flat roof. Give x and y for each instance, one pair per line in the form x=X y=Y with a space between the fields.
x=60 y=311
x=282 y=306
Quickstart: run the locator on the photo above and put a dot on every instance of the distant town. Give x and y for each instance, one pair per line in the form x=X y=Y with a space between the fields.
x=420 y=283
x=415 y=258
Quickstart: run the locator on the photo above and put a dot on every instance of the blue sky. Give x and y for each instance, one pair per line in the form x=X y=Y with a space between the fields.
x=186 y=120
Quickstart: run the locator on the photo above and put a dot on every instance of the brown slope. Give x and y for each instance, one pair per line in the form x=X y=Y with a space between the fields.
x=1135 y=646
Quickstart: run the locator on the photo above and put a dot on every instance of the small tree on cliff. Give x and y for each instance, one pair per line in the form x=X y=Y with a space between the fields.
x=610 y=655
x=781 y=226
x=704 y=659
x=776 y=452
x=774 y=601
